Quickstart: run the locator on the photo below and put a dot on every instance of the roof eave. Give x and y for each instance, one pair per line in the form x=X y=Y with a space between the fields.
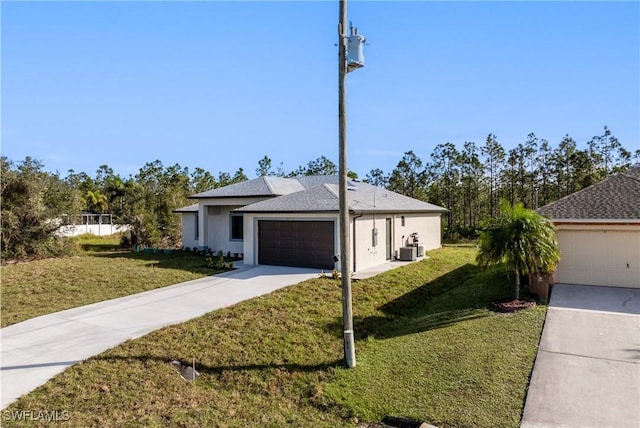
x=595 y=220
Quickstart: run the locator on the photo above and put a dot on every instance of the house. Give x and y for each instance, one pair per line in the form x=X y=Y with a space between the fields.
x=598 y=231
x=294 y=222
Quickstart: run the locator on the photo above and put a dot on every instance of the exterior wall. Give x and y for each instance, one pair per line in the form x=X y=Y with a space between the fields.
x=189 y=238
x=214 y=223
x=219 y=230
x=427 y=225
x=251 y=230
x=599 y=255
x=366 y=254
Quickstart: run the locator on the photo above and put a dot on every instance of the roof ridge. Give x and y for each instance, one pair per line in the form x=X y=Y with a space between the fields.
x=268 y=183
x=328 y=187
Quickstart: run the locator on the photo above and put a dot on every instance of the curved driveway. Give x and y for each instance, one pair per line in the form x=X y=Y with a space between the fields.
x=587 y=372
x=35 y=350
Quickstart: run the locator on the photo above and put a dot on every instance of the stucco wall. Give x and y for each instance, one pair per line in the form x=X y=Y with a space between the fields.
x=366 y=253
x=189 y=238
x=219 y=230
x=426 y=225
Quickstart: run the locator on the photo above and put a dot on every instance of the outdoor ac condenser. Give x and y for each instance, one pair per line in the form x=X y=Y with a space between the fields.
x=408 y=253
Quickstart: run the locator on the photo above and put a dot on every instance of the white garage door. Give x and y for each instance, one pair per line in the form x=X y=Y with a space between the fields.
x=599 y=257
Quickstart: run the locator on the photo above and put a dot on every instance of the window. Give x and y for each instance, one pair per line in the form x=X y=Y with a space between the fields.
x=401 y=220
x=196 y=227
x=237 y=226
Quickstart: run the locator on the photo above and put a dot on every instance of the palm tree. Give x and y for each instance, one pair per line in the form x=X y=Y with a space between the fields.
x=96 y=200
x=522 y=239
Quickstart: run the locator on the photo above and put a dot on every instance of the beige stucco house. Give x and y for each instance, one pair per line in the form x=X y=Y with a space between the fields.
x=294 y=222
x=598 y=230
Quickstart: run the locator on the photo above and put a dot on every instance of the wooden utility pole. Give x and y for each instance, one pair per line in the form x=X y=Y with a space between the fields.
x=345 y=255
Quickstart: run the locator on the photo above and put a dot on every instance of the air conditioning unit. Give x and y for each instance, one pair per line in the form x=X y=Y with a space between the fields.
x=408 y=254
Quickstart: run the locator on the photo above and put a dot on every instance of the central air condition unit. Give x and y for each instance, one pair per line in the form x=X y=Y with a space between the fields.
x=408 y=254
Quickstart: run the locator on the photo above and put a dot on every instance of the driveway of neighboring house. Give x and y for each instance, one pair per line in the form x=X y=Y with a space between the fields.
x=35 y=350
x=587 y=372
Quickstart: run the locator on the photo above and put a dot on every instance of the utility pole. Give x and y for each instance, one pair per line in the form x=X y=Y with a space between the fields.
x=345 y=256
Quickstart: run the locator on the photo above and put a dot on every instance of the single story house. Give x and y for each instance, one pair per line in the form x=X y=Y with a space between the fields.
x=294 y=222
x=598 y=231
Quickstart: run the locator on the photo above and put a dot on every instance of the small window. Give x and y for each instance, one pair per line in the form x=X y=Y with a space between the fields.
x=196 y=227
x=237 y=227
x=401 y=220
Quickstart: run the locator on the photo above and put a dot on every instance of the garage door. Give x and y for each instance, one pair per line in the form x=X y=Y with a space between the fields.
x=296 y=243
x=604 y=257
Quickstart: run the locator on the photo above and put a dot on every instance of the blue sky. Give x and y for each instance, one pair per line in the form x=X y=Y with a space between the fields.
x=218 y=85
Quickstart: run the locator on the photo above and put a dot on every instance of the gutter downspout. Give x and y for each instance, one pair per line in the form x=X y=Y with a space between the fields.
x=354 y=241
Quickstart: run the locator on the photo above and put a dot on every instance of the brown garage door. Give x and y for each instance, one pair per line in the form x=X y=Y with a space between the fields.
x=296 y=243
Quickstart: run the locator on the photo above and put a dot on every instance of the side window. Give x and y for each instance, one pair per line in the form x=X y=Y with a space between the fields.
x=197 y=226
x=402 y=221
x=237 y=227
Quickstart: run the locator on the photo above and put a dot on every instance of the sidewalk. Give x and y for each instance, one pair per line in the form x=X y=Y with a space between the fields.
x=35 y=350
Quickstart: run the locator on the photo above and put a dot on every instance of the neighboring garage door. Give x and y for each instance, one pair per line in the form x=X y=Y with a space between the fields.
x=602 y=257
x=296 y=243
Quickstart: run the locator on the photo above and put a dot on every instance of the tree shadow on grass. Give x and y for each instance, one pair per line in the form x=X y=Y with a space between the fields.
x=457 y=296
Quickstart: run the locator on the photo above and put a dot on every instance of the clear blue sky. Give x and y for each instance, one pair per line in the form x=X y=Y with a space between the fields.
x=220 y=84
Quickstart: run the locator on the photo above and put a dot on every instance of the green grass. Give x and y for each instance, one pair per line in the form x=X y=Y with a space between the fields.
x=427 y=347
x=45 y=286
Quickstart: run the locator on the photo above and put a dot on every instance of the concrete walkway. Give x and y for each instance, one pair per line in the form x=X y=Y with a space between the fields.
x=587 y=371
x=35 y=350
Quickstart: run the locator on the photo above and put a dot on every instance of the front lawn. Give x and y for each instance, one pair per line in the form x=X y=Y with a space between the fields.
x=98 y=273
x=427 y=347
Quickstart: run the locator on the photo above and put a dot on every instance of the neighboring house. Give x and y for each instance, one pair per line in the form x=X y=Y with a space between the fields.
x=599 y=232
x=294 y=222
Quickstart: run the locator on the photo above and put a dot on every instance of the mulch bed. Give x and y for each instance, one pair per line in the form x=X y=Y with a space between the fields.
x=507 y=306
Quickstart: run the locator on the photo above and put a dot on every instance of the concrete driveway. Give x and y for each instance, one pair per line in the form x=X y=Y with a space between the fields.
x=35 y=350
x=587 y=372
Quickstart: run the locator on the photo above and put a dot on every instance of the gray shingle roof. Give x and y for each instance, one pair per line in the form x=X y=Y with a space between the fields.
x=362 y=198
x=261 y=186
x=615 y=198
x=187 y=209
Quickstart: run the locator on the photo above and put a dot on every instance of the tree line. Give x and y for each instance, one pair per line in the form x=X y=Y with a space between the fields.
x=35 y=202
x=471 y=179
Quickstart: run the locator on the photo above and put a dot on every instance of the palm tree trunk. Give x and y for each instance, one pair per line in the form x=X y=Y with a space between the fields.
x=517 y=286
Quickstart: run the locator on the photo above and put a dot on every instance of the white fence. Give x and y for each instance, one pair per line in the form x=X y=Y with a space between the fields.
x=94 y=229
x=91 y=223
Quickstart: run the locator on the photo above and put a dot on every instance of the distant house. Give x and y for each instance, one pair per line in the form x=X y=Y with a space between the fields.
x=294 y=222
x=92 y=223
x=599 y=232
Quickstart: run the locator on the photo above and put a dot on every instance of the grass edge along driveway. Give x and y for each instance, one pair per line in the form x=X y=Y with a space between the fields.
x=427 y=347
x=45 y=286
